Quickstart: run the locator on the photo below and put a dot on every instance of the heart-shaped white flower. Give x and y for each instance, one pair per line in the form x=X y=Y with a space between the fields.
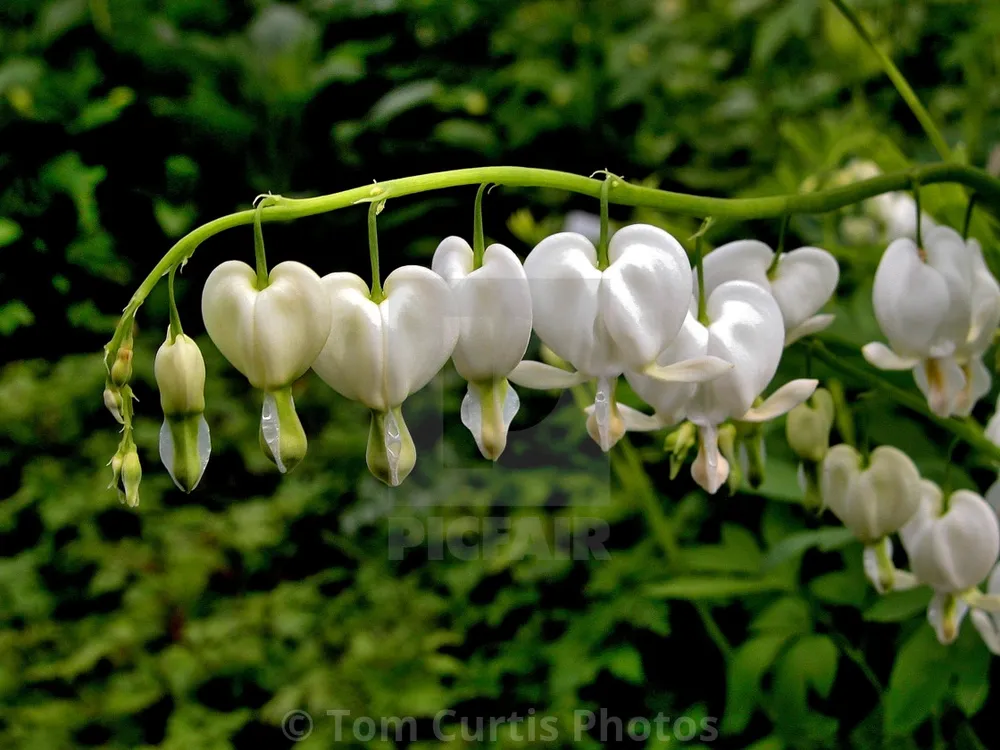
x=493 y=304
x=802 y=281
x=271 y=335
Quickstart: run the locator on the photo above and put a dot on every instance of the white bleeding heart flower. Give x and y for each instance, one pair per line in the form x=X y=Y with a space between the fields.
x=745 y=329
x=271 y=335
x=895 y=212
x=956 y=549
x=606 y=322
x=378 y=353
x=938 y=306
x=802 y=280
x=952 y=551
x=872 y=501
x=493 y=305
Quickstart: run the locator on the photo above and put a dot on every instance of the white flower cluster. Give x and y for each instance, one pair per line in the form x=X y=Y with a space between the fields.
x=952 y=542
x=634 y=313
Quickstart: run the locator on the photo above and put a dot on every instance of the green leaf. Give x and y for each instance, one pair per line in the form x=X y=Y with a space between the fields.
x=705 y=587
x=971 y=662
x=826 y=540
x=842 y=587
x=625 y=662
x=811 y=662
x=10 y=231
x=402 y=99
x=919 y=682
x=68 y=174
x=737 y=553
x=14 y=315
x=898 y=606
x=788 y=614
x=748 y=665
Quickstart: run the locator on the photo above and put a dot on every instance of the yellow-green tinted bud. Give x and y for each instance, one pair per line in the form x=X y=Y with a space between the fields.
x=131 y=476
x=678 y=445
x=282 y=437
x=185 y=446
x=487 y=411
x=116 y=469
x=114 y=402
x=121 y=370
x=180 y=376
x=391 y=453
x=808 y=426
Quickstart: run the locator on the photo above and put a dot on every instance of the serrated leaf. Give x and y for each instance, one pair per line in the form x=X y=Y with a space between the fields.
x=825 y=539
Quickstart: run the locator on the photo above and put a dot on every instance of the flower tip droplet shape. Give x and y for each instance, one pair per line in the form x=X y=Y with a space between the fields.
x=487 y=412
x=185 y=444
x=271 y=335
x=282 y=437
x=391 y=454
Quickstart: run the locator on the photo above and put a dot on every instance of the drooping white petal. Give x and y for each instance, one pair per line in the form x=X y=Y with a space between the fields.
x=670 y=399
x=879 y=355
x=380 y=354
x=988 y=623
x=985 y=306
x=710 y=469
x=945 y=614
x=272 y=335
x=948 y=255
x=168 y=453
x=942 y=382
x=978 y=381
x=803 y=282
x=543 y=377
x=695 y=370
x=782 y=401
x=809 y=326
x=493 y=305
x=910 y=299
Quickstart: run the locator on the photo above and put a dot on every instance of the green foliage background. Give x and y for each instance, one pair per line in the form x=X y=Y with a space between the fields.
x=199 y=621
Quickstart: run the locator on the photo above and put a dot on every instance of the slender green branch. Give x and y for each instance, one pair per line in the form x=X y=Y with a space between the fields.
x=899 y=81
x=966 y=429
x=821 y=201
x=175 y=318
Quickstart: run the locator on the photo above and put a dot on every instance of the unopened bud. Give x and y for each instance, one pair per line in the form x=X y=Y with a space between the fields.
x=282 y=437
x=391 y=454
x=116 y=470
x=678 y=445
x=727 y=447
x=808 y=426
x=121 y=370
x=131 y=476
x=180 y=376
x=114 y=402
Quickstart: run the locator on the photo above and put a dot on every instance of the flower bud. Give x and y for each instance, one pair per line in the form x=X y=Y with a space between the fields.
x=751 y=452
x=391 y=454
x=957 y=550
x=873 y=502
x=808 y=425
x=678 y=445
x=180 y=376
x=728 y=448
x=185 y=446
x=281 y=436
x=121 y=370
x=114 y=402
x=131 y=475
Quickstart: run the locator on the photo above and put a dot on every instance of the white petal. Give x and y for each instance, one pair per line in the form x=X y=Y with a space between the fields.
x=272 y=336
x=543 y=377
x=993 y=426
x=978 y=381
x=637 y=421
x=803 y=282
x=747 y=330
x=985 y=304
x=989 y=629
x=910 y=299
x=880 y=356
x=743 y=260
x=270 y=429
x=564 y=281
x=945 y=614
x=694 y=370
x=812 y=325
x=670 y=399
x=948 y=254
x=487 y=413
x=710 y=469
x=942 y=382
x=453 y=259
x=782 y=401
x=870 y=562
x=493 y=303
x=645 y=293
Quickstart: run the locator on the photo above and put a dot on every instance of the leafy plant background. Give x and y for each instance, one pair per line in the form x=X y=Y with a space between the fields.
x=199 y=621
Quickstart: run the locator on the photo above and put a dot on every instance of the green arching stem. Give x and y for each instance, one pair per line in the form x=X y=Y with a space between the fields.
x=916 y=200
x=781 y=246
x=602 y=246
x=258 y=247
x=175 y=318
x=373 y=210
x=967 y=221
x=899 y=81
x=965 y=430
x=478 y=237
x=286 y=209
